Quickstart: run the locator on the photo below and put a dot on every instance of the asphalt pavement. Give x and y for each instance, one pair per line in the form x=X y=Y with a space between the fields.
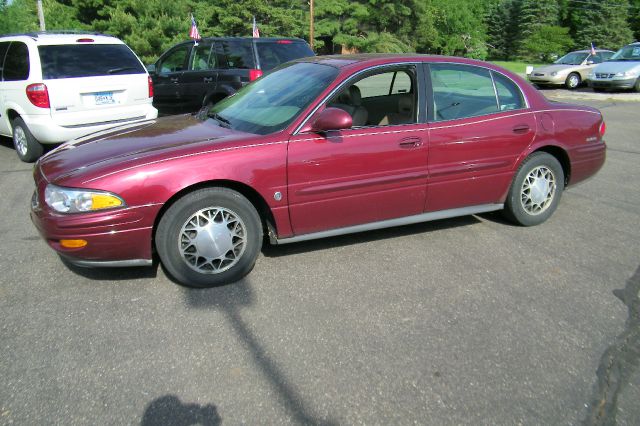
x=461 y=321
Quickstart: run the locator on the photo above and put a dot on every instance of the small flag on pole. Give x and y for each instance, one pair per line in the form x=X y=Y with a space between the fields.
x=193 y=33
x=593 y=49
x=256 y=31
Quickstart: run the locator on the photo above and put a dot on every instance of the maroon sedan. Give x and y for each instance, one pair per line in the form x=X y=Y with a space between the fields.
x=320 y=147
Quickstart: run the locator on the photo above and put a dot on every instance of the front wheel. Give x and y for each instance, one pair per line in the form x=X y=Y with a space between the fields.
x=27 y=146
x=209 y=237
x=535 y=190
x=573 y=81
x=636 y=86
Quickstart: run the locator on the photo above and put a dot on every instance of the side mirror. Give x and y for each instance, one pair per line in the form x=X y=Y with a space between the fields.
x=331 y=119
x=590 y=62
x=151 y=69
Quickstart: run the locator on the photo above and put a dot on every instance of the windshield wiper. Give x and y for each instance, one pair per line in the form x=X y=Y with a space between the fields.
x=116 y=70
x=223 y=121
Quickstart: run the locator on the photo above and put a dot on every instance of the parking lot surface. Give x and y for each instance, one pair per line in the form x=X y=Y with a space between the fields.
x=461 y=321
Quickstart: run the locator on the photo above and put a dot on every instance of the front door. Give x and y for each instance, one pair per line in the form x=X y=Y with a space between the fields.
x=372 y=172
x=167 y=90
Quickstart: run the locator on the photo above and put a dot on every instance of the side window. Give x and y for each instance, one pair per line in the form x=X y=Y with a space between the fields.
x=606 y=55
x=381 y=99
x=16 y=63
x=509 y=95
x=461 y=91
x=174 y=61
x=4 y=46
x=203 y=58
x=236 y=54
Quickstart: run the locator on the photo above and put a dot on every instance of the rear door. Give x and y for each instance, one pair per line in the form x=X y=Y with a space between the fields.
x=479 y=126
x=94 y=83
x=201 y=76
x=235 y=58
x=167 y=93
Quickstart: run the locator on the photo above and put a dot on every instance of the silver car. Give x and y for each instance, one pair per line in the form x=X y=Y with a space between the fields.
x=570 y=70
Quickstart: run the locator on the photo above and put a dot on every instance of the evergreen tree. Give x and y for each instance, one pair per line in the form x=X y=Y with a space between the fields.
x=603 y=23
x=502 y=29
x=535 y=14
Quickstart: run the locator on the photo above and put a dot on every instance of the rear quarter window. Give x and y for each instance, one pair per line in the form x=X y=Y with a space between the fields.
x=16 y=63
x=88 y=60
x=236 y=54
x=273 y=54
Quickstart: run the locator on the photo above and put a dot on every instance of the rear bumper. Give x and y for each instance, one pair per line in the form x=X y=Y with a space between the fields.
x=46 y=130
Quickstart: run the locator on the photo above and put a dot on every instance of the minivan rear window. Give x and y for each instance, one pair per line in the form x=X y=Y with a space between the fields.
x=88 y=60
x=273 y=54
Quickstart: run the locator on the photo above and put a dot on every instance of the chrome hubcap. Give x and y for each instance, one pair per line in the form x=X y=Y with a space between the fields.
x=573 y=81
x=212 y=240
x=20 y=140
x=538 y=190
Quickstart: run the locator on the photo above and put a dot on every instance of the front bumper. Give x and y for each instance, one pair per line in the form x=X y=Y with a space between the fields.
x=611 y=83
x=120 y=237
x=547 y=79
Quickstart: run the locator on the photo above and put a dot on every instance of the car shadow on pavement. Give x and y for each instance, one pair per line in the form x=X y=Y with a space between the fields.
x=230 y=300
x=113 y=274
x=168 y=410
x=368 y=236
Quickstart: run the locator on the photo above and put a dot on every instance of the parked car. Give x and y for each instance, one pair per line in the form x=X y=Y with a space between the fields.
x=621 y=71
x=319 y=147
x=192 y=75
x=571 y=70
x=59 y=86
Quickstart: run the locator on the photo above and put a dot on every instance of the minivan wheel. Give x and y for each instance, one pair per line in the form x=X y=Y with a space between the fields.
x=27 y=146
x=536 y=190
x=209 y=237
x=573 y=81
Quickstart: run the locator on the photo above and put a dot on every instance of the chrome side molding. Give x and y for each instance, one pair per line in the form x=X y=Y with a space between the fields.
x=409 y=220
x=108 y=263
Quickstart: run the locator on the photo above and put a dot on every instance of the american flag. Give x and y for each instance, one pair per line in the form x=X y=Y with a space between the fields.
x=193 y=32
x=593 y=49
x=256 y=31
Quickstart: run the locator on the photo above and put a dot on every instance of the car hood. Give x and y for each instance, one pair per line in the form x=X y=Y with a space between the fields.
x=142 y=142
x=555 y=67
x=616 y=66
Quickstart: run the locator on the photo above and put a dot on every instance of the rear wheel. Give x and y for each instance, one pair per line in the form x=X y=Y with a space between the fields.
x=536 y=190
x=209 y=237
x=636 y=86
x=27 y=146
x=573 y=81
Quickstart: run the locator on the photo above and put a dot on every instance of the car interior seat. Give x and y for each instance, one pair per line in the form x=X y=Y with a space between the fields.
x=350 y=100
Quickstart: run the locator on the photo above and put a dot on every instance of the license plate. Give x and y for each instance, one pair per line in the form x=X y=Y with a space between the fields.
x=104 y=98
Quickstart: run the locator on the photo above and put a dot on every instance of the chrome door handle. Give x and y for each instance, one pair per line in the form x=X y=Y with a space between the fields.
x=207 y=79
x=521 y=129
x=410 y=143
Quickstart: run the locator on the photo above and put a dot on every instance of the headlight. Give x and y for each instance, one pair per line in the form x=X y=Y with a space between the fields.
x=554 y=73
x=69 y=200
x=627 y=74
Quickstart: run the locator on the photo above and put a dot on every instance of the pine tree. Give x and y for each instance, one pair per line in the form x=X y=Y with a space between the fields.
x=603 y=23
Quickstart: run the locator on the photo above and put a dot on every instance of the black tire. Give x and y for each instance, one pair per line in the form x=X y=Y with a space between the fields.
x=524 y=206
x=27 y=146
x=199 y=266
x=636 y=87
x=573 y=81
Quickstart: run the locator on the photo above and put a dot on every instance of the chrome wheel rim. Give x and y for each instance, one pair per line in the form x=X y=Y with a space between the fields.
x=573 y=81
x=212 y=240
x=538 y=190
x=20 y=140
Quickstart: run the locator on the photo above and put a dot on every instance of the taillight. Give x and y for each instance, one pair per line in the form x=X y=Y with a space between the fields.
x=603 y=128
x=84 y=40
x=284 y=42
x=38 y=95
x=150 y=86
x=254 y=74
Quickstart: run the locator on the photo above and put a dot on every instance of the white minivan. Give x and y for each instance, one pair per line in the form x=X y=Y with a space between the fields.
x=55 y=87
x=621 y=71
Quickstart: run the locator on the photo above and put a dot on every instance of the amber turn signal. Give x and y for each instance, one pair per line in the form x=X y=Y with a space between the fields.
x=73 y=243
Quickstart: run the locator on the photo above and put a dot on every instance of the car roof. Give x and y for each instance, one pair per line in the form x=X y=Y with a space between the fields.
x=589 y=51
x=372 y=59
x=63 y=37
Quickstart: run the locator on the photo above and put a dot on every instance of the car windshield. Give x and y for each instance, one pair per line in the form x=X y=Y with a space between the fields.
x=573 y=58
x=627 y=53
x=272 y=102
